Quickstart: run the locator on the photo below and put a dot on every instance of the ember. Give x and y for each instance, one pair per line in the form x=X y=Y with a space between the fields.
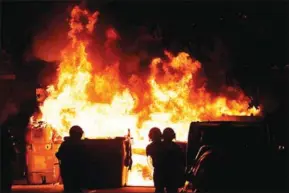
x=104 y=106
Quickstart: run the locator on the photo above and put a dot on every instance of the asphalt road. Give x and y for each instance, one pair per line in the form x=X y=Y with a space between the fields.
x=59 y=188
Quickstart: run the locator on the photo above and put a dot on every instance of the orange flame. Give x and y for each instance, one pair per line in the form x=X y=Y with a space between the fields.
x=104 y=106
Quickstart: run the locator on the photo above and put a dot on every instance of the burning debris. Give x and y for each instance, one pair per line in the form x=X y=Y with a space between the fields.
x=105 y=103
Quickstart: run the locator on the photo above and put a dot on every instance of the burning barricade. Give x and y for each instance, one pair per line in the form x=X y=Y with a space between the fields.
x=41 y=146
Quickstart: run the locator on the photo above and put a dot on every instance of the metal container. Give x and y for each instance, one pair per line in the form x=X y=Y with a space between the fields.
x=104 y=163
x=41 y=163
x=39 y=133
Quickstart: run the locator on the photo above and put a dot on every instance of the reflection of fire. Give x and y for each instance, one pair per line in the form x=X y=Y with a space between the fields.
x=97 y=99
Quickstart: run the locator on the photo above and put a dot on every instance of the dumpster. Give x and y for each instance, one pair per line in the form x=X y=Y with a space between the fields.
x=39 y=133
x=41 y=163
x=104 y=163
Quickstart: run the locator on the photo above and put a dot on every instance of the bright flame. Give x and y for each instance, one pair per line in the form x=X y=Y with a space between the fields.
x=105 y=107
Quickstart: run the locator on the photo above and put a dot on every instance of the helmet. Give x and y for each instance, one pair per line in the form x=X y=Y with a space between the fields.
x=169 y=134
x=155 y=134
x=76 y=132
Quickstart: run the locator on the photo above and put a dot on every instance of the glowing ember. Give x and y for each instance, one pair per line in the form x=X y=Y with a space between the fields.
x=96 y=99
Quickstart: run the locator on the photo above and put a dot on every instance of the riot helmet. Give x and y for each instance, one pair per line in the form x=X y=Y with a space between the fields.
x=76 y=132
x=169 y=134
x=155 y=134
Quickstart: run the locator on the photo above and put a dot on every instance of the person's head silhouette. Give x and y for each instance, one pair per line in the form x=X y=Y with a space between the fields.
x=75 y=132
x=169 y=134
x=155 y=134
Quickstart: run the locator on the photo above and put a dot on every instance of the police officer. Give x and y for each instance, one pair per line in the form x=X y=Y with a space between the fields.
x=155 y=151
x=174 y=162
x=70 y=154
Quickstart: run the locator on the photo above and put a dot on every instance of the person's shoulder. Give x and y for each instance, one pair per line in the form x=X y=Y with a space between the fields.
x=149 y=146
x=149 y=149
x=65 y=143
x=153 y=145
x=177 y=146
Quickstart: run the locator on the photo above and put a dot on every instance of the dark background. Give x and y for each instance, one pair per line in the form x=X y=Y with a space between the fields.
x=255 y=32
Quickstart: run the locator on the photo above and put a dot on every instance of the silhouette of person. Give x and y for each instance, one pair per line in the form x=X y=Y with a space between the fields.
x=155 y=151
x=70 y=154
x=173 y=163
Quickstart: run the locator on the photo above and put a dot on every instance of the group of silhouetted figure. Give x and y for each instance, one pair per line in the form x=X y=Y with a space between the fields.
x=168 y=160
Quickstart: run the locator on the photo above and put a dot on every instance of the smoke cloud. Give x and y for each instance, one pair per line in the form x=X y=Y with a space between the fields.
x=48 y=42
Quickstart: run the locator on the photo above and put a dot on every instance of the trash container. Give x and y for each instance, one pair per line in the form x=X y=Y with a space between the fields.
x=42 y=164
x=104 y=163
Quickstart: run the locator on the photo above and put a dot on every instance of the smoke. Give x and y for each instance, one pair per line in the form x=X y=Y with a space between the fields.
x=48 y=42
x=128 y=63
x=48 y=47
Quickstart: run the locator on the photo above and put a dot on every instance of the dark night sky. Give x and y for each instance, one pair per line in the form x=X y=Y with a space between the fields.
x=255 y=33
x=261 y=36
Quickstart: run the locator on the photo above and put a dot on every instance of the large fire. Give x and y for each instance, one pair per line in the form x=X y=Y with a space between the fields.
x=105 y=106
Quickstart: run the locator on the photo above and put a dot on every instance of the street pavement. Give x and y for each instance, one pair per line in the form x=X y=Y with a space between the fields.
x=59 y=188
